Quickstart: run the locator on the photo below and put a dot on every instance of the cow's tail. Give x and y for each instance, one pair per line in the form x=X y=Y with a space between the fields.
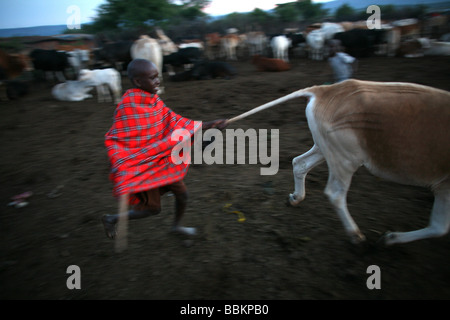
x=293 y=95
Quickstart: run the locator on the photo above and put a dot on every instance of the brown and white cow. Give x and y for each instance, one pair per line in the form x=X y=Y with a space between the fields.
x=413 y=48
x=212 y=45
x=228 y=46
x=270 y=64
x=398 y=131
x=409 y=28
x=13 y=65
x=256 y=42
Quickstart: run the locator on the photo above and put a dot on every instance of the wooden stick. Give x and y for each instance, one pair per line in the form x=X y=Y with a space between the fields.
x=121 y=242
x=265 y=106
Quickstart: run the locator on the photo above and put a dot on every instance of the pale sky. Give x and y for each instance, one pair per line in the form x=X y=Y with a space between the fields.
x=30 y=13
x=219 y=7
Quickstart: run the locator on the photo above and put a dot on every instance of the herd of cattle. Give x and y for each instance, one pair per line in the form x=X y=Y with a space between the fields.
x=208 y=58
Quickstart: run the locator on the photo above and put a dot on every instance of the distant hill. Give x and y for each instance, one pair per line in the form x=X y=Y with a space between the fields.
x=33 y=31
x=363 y=4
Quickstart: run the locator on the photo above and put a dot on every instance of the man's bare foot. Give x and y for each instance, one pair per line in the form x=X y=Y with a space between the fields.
x=185 y=230
x=109 y=223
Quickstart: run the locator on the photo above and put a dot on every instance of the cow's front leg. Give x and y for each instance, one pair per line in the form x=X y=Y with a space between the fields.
x=301 y=166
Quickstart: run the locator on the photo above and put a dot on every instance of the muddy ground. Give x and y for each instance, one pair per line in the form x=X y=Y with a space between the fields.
x=55 y=149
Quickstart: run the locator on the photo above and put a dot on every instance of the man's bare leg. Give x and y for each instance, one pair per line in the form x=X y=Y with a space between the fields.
x=180 y=207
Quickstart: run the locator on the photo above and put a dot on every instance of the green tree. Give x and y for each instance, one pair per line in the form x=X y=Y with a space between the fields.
x=388 y=11
x=119 y=14
x=287 y=12
x=310 y=11
x=345 y=12
x=259 y=18
x=300 y=10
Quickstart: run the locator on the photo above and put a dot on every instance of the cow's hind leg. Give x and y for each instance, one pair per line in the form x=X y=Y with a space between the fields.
x=106 y=92
x=301 y=166
x=439 y=222
x=337 y=187
x=115 y=89
x=100 y=95
x=60 y=76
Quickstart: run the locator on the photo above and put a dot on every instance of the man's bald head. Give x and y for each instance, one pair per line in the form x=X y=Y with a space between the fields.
x=144 y=74
x=138 y=67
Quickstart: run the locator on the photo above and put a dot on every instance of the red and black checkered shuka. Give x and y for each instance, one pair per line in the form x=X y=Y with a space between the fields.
x=139 y=143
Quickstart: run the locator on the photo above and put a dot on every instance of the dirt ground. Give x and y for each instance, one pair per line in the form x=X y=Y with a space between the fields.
x=55 y=149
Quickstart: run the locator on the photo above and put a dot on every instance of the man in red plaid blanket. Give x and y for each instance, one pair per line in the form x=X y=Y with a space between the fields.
x=139 y=146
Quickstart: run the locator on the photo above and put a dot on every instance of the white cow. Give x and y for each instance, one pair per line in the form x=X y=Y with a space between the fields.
x=194 y=44
x=392 y=37
x=330 y=28
x=280 y=46
x=167 y=45
x=78 y=59
x=103 y=80
x=438 y=48
x=398 y=131
x=72 y=91
x=317 y=39
x=149 y=49
x=316 y=44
